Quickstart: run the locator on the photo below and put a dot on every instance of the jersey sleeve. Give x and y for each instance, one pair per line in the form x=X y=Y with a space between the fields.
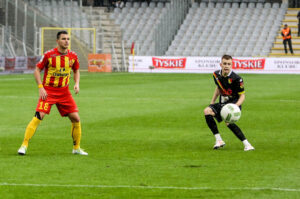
x=215 y=78
x=240 y=86
x=43 y=62
x=75 y=65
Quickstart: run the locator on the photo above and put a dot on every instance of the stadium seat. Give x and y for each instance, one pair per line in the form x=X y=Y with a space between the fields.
x=237 y=27
x=267 y=5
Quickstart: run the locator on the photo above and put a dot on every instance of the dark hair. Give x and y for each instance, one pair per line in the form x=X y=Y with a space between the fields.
x=227 y=57
x=61 y=32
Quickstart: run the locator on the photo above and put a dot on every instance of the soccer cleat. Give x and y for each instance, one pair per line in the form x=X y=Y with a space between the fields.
x=79 y=151
x=248 y=148
x=219 y=144
x=22 y=150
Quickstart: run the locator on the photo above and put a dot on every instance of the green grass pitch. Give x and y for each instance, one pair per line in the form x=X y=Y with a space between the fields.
x=147 y=138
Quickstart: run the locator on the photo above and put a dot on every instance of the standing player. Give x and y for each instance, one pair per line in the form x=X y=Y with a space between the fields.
x=57 y=64
x=230 y=88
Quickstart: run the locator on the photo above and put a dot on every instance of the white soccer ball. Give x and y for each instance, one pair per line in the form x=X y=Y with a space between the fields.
x=231 y=113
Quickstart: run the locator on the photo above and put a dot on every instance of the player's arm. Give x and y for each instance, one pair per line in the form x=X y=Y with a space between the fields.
x=215 y=95
x=241 y=99
x=241 y=92
x=37 y=75
x=76 y=80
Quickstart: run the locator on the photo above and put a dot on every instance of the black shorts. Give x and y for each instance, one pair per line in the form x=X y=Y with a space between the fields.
x=217 y=110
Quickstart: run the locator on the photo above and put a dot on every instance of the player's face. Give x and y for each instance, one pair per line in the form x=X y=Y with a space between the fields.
x=63 y=41
x=226 y=66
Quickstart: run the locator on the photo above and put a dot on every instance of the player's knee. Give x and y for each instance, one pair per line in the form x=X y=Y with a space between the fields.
x=74 y=118
x=207 y=111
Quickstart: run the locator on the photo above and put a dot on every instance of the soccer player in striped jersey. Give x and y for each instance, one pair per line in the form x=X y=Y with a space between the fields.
x=229 y=89
x=57 y=65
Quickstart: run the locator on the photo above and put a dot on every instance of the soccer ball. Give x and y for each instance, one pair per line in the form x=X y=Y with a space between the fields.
x=231 y=113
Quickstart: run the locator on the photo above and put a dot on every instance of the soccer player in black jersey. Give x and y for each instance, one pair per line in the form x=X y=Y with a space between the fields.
x=230 y=89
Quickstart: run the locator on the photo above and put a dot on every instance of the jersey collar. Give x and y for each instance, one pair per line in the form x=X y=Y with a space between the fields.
x=227 y=75
x=56 y=50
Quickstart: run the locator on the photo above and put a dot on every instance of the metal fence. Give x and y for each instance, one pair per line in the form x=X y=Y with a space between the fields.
x=171 y=21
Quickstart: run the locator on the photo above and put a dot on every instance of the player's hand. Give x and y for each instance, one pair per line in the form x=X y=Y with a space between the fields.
x=43 y=93
x=76 y=88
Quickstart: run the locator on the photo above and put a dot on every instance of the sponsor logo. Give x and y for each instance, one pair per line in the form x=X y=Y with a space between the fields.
x=98 y=63
x=249 y=64
x=60 y=74
x=169 y=63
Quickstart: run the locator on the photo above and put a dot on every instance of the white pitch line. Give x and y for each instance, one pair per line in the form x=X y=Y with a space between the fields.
x=153 y=187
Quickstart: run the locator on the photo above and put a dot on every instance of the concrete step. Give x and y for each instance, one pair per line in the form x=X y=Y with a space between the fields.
x=281 y=50
x=106 y=22
x=293 y=11
x=117 y=50
x=280 y=45
x=295 y=27
x=290 y=17
x=111 y=28
x=294 y=39
x=109 y=39
x=283 y=55
x=109 y=32
x=99 y=17
x=290 y=22
x=108 y=45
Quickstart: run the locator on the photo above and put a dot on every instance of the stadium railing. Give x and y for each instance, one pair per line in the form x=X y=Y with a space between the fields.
x=170 y=23
x=22 y=22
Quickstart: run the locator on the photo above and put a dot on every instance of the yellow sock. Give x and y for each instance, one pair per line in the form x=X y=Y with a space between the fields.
x=76 y=134
x=30 y=130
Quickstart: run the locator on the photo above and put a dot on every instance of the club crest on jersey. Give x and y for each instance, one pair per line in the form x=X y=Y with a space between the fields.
x=241 y=84
x=229 y=80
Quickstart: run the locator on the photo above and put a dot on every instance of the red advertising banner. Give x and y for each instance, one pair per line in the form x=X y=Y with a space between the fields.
x=10 y=63
x=169 y=63
x=99 y=63
x=249 y=64
x=31 y=62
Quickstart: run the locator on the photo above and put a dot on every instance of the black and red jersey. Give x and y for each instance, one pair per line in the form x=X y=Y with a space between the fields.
x=231 y=86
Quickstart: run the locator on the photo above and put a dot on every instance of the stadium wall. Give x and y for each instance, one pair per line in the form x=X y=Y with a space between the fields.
x=18 y=64
x=256 y=65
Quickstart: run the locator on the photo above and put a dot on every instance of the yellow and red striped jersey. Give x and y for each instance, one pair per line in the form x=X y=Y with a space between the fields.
x=58 y=67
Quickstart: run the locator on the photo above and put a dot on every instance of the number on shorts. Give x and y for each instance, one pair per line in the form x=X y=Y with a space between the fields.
x=45 y=106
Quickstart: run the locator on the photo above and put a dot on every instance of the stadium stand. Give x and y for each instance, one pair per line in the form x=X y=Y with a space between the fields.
x=209 y=27
x=290 y=19
x=137 y=21
x=245 y=29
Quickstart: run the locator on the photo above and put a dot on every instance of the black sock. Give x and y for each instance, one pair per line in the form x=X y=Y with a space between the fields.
x=237 y=131
x=211 y=124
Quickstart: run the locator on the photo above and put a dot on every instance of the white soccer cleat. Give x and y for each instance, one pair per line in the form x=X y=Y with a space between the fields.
x=79 y=151
x=248 y=148
x=219 y=144
x=22 y=150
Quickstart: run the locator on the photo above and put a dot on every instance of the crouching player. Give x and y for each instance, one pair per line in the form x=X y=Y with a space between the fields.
x=230 y=89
